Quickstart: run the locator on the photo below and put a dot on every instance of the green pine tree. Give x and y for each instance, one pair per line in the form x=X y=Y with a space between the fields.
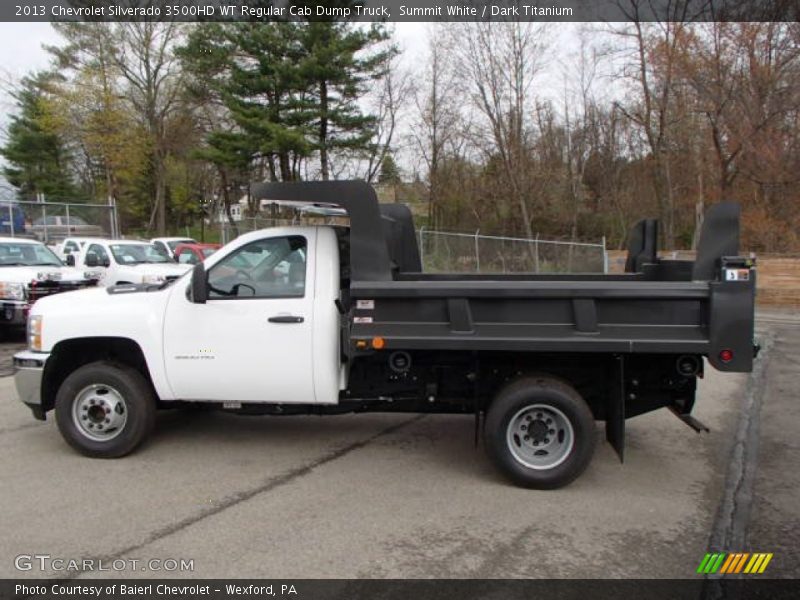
x=340 y=62
x=389 y=172
x=38 y=160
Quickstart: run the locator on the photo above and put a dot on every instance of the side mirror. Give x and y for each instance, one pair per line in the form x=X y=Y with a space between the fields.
x=199 y=284
x=70 y=260
x=91 y=260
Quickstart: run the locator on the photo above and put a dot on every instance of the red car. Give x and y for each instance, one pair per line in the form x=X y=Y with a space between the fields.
x=191 y=254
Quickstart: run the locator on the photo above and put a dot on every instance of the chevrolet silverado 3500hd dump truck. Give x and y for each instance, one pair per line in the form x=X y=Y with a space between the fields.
x=334 y=319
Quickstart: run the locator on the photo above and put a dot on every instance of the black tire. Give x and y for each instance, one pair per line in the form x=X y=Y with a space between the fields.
x=139 y=408
x=560 y=401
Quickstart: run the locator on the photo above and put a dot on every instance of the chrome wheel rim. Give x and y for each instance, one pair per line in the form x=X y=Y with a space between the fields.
x=540 y=437
x=99 y=412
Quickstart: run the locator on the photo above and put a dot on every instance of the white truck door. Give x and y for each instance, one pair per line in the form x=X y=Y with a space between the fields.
x=252 y=340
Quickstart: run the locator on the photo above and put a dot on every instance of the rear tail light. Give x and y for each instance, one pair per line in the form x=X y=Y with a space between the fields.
x=726 y=355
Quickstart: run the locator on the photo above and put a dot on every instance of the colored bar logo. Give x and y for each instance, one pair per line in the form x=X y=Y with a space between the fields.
x=727 y=563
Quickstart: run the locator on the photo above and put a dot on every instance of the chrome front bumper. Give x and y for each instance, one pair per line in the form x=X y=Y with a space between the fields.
x=28 y=370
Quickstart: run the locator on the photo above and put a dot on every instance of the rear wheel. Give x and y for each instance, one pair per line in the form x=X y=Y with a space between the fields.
x=105 y=409
x=539 y=432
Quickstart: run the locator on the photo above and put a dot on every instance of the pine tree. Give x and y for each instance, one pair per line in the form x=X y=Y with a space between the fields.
x=38 y=161
x=339 y=63
x=389 y=172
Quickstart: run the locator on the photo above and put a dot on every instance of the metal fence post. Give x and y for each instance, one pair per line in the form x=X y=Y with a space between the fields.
x=536 y=252
x=117 y=230
x=421 y=248
x=69 y=223
x=11 y=218
x=605 y=256
x=477 y=253
x=40 y=197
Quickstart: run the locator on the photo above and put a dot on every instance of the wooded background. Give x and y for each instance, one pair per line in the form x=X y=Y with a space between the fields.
x=508 y=128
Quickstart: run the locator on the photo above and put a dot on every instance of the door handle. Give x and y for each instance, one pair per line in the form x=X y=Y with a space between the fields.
x=285 y=319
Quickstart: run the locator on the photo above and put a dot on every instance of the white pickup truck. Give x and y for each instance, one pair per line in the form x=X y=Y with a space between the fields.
x=334 y=319
x=28 y=271
x=128 y=261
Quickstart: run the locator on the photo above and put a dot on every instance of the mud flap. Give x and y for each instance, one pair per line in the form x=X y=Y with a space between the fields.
x=615 y=411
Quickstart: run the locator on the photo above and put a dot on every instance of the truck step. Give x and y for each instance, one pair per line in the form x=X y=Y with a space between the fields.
x=691 y=421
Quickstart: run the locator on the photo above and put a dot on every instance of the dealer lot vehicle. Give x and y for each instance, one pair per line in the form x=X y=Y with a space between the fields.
x=169 y=245
x=330 y=320
x=29 y=271
x=191 y=254
x=12 y=219
x=70 y=246
x=128 y=262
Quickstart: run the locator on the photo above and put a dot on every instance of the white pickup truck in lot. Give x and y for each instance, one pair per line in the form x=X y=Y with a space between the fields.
x=128 y=261
x=337 y=319
x=28 y=271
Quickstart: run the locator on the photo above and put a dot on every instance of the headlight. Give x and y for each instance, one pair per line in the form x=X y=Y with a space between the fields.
x=153 y=279
x=12 y=291
x=35 y=332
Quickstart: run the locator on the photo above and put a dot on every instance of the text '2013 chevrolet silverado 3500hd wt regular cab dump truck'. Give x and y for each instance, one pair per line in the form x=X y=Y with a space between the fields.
x=335 y=319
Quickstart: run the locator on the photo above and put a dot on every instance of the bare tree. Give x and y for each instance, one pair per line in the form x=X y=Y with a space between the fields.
x=146 y=59
x=655 y=50
x=499 y=62
x=396 y=88
x=437 y=123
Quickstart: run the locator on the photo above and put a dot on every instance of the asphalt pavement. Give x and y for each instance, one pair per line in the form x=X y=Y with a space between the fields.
x=403 y=496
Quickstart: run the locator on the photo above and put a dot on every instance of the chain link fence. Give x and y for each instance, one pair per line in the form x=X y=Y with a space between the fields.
x=448 y=252
x=464 y=252
x=51 y=222
x=443 y=252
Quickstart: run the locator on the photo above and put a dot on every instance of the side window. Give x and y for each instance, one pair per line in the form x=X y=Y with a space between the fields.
x=70 y=247
x=270 y=268
x=100 y=252
x=187 y=257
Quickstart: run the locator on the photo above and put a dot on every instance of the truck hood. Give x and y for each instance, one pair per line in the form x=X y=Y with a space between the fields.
x=162 y=269
x=94 y=312
x=42 y=273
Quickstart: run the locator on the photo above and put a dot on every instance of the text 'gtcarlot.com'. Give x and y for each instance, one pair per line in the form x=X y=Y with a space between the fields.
x=46 y=562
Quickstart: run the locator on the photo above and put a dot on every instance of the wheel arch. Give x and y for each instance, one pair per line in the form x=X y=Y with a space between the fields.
x=69 y=355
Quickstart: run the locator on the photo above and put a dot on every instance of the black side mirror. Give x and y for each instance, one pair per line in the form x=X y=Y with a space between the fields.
x=199 y=284
x=91 y=260
x=70 y=260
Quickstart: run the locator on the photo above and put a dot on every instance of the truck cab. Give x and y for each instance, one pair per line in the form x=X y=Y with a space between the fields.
x=279 y=285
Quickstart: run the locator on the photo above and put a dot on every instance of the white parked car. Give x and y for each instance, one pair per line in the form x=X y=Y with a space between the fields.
x=170 y=244
x=29 y=270
x=128 y=261
x=69 y=246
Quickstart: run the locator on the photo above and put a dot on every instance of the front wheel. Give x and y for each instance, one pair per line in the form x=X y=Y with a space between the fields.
x=540 y=433
x=105 y=409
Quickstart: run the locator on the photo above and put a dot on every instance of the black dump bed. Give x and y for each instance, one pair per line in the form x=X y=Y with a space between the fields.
x=703 y=307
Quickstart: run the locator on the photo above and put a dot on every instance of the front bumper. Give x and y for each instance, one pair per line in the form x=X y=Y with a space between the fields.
x=14 y=312
x=28 y=371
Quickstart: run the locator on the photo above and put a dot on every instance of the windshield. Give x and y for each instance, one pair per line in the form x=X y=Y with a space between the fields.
x=208 y=251
x=28 y=255
x=174 y=244
x=135 y=254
